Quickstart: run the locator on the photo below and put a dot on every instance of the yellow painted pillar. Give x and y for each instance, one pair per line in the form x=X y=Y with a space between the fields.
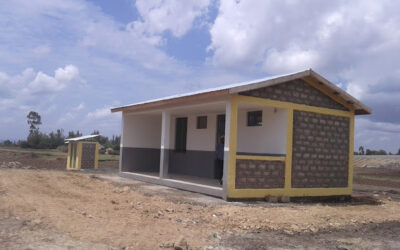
x=69 y=156
x=79 y=156
x=289 y=148
x=351 y=153
x=96 y=156
x=232 y=145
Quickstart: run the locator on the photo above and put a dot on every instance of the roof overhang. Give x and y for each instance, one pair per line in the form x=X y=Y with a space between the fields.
x=224 y=91
x=81 y=138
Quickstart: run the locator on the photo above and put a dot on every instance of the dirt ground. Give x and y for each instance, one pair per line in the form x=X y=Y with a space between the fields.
x=43 y=208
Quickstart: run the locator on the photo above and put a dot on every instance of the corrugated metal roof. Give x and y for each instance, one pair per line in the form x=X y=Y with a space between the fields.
x=254 y=84
x=224 y=87
x=81 y=138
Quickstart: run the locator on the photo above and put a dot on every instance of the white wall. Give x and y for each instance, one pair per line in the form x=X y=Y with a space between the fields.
x=142 y=131
x=270 y=138
x=197 y=139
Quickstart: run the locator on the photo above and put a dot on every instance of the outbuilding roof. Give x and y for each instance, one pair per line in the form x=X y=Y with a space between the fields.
x=358 y=106
x=81 y=138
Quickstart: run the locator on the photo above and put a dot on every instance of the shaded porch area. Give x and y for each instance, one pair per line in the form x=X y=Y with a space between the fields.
x=176 y=147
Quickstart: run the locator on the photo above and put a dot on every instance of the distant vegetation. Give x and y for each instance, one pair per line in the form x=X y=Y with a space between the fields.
x=361 y=151
x=53 y=140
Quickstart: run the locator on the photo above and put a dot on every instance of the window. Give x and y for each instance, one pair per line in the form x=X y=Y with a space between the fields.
x=254 y=118
x=180 y=134
x=201 y=122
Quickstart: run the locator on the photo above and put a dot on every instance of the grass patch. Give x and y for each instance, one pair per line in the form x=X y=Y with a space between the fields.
x=108 y=157
x=378 y=178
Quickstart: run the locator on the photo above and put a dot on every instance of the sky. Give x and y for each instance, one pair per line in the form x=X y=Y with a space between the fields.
x=72 y=60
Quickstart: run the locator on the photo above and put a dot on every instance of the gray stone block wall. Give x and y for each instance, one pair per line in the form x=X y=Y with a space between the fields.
x=88 y=155
x=320 y=153
x=296 y=91
x=258 y=174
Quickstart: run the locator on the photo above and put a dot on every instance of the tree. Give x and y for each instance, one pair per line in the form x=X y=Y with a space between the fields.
x=72 y=134
x=398 y=152
x=103 y=140
x=34 y=120
x=361 y=150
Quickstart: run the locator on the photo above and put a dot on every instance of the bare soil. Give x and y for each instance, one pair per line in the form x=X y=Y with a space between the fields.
x=41 y=208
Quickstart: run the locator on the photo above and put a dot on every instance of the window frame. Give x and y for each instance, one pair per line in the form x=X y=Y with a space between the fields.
x=253 y=122
x=200 y=125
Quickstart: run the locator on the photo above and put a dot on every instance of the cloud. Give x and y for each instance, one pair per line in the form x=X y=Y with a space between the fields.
x=160 y=16
x=31 y=89
x=100 y=113
x=377 y=135
x=352 y=43
x=81 y=106
x=291 y=59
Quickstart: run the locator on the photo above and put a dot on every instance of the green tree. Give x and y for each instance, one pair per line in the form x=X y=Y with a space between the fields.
x=361 y=150
x=103 y=140
x=34 y=120
x=72 y=134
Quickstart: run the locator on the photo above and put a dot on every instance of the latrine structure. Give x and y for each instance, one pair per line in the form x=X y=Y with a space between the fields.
x=82 y=153
x=289 y=135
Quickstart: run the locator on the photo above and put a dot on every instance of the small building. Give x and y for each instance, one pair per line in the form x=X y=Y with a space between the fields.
x=289 y=135
x=82 y=153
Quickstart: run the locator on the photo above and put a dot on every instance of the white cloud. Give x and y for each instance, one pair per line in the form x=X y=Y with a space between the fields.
x=100 y=113
x=377 y=135
x=292 y=59
x=159 y=16
x=31 y=89
x=81 y=106
x=44 y=83
x=354 y=43
x=42 y=50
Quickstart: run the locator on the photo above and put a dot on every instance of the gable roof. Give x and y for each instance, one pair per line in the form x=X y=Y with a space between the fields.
x=226 y=90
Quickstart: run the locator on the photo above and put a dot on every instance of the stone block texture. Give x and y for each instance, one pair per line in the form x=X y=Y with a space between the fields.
x=320 y=156
x=259 y=174
x=296 y=91
x=88 y=155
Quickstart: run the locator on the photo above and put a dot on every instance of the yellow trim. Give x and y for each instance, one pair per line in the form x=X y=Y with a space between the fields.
x=260 y=158
x=69 y=156
x=96 y=156
x=325 y=91
x=232 y=145
x=292 y=192
x=288 y=105
x=351 y=153
x=289 y=142
x=79 y=157
x=232 y=192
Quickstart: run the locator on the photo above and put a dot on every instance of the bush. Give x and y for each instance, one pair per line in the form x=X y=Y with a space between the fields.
x=111 y=151
x=24 y=144
x=63 y=148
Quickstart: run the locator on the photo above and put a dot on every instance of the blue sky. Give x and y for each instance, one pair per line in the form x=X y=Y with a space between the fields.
x=73 y=60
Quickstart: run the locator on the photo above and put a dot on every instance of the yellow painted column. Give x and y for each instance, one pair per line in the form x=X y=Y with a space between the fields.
x=232 y=145
x=79 y=156
x=96 y=156
x=69 y=156
x=351 y=153
x=289 y=144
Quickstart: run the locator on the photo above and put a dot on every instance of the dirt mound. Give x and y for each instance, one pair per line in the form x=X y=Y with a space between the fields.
x=93 y=210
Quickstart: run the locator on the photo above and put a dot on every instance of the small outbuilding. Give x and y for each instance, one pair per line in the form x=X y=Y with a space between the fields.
x=82 y=153
x=289 y=135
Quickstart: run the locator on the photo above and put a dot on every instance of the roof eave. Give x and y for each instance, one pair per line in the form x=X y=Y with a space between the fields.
x=359 y=107
x=173 y=101
x=270 y=82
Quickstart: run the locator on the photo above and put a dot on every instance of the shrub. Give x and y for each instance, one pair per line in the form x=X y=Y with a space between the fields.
x=63 y=148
